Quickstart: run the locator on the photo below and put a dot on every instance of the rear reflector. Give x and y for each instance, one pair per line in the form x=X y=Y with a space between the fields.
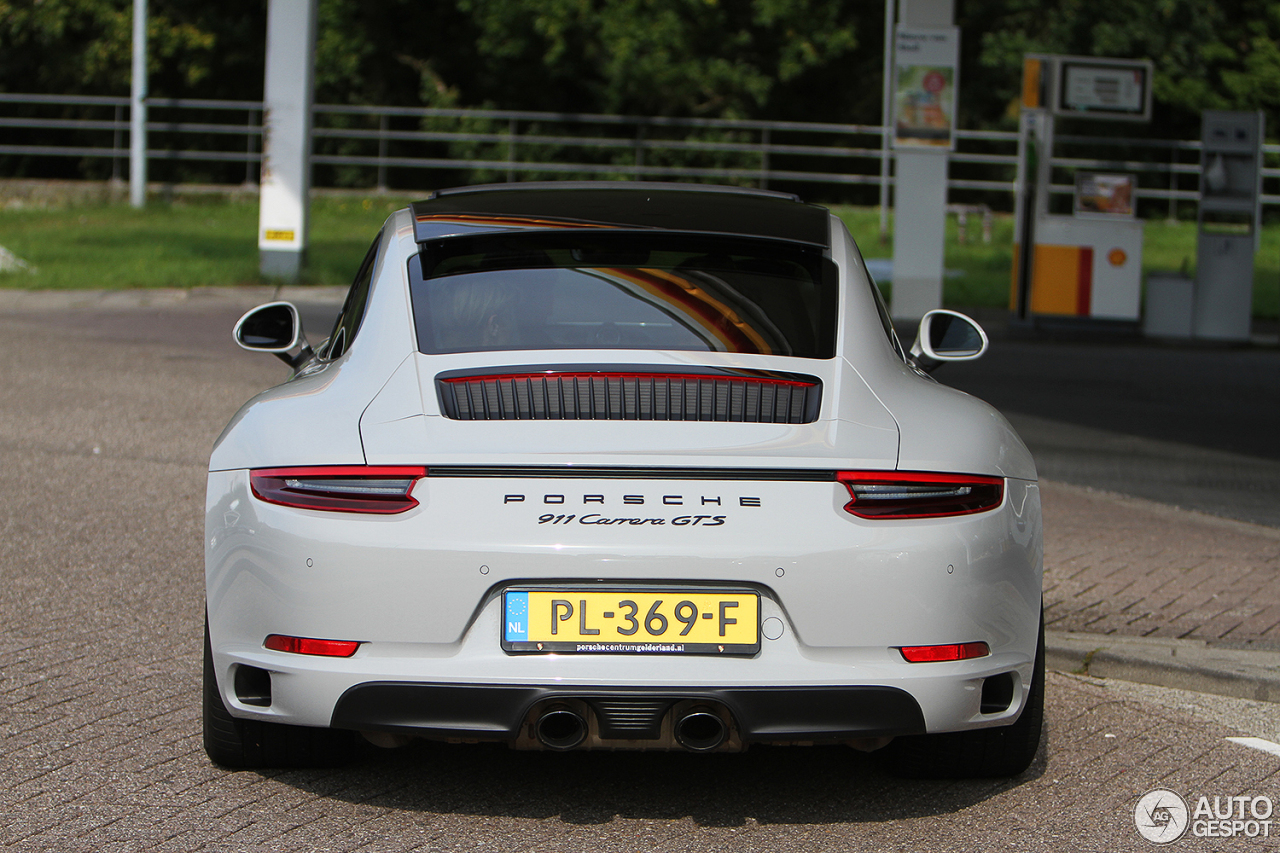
x=305 y=646
x=933 y=654
x=910 y=494
x=339 y=488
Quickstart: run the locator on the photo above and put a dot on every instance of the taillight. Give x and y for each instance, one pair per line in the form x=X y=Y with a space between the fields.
x=908 y=494
x=339 y=488
x=953 y=652
x=308 y=646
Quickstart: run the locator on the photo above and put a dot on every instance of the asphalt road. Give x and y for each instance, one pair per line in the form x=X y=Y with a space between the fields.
x=1195 y=427
x=106 y=421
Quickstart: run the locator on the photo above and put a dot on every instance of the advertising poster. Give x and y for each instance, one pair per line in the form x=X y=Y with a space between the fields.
x=1104 y=194
x=925 y=63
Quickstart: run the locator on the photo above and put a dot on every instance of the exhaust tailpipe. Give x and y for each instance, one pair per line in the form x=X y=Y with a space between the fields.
x=701 y=730
x=561 y=728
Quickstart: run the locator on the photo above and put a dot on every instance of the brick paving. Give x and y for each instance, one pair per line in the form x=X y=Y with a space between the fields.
x=1117 y=565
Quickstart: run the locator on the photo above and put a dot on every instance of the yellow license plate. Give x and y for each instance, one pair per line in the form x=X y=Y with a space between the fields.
x=622 y=622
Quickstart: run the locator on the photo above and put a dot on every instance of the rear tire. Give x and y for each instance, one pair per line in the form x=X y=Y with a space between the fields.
x=982 y=753
x=243 y=744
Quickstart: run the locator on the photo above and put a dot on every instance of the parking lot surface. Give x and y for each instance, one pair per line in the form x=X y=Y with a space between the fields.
x=106 y=419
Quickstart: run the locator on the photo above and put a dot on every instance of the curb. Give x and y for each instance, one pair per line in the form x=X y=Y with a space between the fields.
x=1182 y=664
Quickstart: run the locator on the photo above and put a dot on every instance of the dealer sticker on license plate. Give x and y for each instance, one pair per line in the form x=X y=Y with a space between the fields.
x=624 y=622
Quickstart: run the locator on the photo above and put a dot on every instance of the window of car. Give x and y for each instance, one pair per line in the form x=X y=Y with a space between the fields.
x=348 y=322
x=624 y=291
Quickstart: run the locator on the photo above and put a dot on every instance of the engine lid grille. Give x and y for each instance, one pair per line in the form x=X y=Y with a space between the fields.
x=645 y=395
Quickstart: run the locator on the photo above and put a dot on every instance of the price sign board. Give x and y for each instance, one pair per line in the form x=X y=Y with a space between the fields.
x=1116 y=89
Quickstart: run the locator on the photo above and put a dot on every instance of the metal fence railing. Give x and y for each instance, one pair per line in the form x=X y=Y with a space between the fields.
x=506 y=144
x=378 y=146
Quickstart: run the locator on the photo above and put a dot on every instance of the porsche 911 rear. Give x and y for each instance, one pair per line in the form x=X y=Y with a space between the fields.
x=581 y=481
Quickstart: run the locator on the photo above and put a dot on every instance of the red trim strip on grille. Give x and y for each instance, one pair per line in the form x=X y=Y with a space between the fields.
x=594 y=374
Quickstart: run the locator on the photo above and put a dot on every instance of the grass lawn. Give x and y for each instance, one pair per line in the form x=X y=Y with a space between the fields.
x=193 y=242
x=201 y=241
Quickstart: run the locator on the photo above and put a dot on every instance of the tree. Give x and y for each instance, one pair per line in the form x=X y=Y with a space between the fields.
x=650 y=57
x=85 y=47
x=1208 y=54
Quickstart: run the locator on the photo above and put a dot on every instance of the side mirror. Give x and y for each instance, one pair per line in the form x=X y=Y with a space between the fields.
x=275 y=328
x=947 y=336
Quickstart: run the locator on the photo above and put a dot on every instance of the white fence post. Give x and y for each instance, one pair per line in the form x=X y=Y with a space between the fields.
x=138 y=109
x=285 y=186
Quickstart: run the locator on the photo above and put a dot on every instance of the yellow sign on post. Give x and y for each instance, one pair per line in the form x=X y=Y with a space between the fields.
x=1031 y=84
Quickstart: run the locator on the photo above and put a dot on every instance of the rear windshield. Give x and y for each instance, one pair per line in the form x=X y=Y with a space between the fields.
x=624 y=291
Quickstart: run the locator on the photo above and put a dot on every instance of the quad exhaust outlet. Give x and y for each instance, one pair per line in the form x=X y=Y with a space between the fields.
x=560 y=728
x=700 y=730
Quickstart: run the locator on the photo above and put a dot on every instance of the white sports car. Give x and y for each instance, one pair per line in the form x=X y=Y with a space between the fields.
x=611 y=465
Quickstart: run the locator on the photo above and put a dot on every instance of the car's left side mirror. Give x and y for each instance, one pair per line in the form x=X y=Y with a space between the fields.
x=947 y=336
x=275 y=328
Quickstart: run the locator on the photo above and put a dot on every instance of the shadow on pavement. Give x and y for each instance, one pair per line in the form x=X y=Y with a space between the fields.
x=771 y=785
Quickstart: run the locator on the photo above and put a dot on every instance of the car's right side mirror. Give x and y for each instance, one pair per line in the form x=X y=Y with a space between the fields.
x=275 y=328
x=947 y=336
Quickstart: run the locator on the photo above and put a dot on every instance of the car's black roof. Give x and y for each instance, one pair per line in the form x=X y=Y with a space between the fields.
x=560 y=205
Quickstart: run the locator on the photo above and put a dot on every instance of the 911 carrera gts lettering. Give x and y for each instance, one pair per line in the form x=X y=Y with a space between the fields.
x=597 y=518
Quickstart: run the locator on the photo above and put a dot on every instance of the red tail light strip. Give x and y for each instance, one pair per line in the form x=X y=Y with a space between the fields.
x=935 y=654
x=911 y=494
x=379 y=489
x=307 y=646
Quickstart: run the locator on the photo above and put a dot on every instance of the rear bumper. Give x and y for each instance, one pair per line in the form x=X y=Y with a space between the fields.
x=422 y=592
x=757 y=714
